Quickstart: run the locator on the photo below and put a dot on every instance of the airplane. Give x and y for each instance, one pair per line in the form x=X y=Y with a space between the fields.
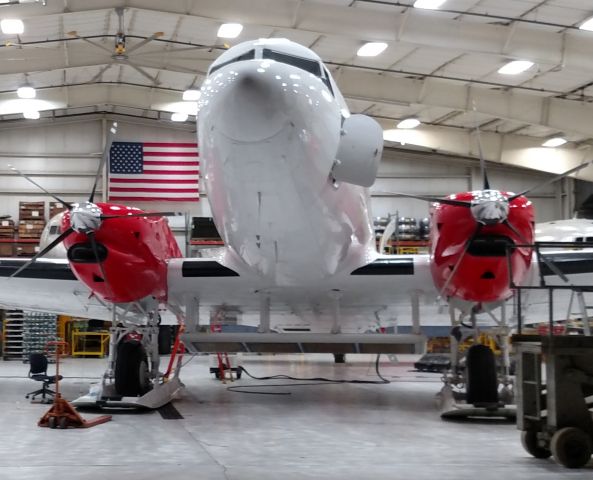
x=287 y=169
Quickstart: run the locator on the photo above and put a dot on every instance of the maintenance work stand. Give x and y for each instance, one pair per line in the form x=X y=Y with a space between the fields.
x=553 y=402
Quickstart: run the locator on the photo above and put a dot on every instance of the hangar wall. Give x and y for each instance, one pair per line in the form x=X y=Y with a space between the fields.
x=64 y=156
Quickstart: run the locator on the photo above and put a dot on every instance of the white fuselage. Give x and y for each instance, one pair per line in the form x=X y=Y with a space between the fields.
x=268 y=133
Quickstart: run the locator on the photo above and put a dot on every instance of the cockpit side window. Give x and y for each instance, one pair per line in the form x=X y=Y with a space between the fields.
x=327 y=81
x=311 y=66
x=250 y=55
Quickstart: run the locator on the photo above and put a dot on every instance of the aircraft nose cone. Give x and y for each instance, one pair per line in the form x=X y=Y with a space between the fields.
x=252 y=107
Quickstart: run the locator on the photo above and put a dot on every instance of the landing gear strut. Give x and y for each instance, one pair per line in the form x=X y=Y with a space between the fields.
x=481 y=389
x=132 y=378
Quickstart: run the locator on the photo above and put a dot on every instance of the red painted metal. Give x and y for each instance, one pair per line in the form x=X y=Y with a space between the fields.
x=137 y=253
x=478 y=278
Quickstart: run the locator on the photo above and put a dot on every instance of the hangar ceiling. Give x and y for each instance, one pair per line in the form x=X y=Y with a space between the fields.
x=440 y=65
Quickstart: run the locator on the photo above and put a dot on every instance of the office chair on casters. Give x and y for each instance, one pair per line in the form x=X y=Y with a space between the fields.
x=38 y=372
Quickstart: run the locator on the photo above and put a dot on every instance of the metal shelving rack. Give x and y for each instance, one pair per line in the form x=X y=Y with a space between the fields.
x=12 y=338
x=38 y=329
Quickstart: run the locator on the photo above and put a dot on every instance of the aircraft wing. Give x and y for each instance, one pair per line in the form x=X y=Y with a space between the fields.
x=47 y=285
x=386 y=281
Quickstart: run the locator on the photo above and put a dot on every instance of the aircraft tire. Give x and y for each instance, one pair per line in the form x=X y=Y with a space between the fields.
x=165 y=339
x=131 y=370
x=482 y=381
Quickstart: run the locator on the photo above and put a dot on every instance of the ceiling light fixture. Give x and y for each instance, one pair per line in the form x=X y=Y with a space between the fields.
x=26 y=91
x=191 y=95
x=428 y=4
x=554 y=142
x=229 y=30
x=12 y=26
x=31 y=114
x=179 y=117
x=515 y=67
x=408 y=123
x=587 y=25
x=371 y=49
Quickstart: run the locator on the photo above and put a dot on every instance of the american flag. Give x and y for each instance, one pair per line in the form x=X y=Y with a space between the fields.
x=152 y=171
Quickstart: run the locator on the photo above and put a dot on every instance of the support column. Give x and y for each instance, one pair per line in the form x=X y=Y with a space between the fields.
x=264 y=312
x=336 y=314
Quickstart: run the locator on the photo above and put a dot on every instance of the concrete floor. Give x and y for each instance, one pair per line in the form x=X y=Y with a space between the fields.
x=317 y=432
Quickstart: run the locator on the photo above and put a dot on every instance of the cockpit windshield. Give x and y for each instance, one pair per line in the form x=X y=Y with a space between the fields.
x=311 y=66
x=250 y=55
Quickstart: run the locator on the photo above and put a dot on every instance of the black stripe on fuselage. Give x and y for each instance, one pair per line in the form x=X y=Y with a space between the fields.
x=385 y=266
x=40 y=270
x=569 y=263
x=208 y=268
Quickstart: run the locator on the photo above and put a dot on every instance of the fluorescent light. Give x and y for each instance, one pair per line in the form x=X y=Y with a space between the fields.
x=407 y=123
x=229 y=30
x=192 y=95
x=554 y=142
x=12 y=26
x=26 y=91
x=31 y=114
x=371 y=49
x=587 y=25
x=515 y=67
x=428 y=4
x=179 y=117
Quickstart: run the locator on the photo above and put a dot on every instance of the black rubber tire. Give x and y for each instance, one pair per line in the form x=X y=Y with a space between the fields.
x=131 y=370
x=482 y=381
x=165 y=339
x=571 y=447
x=529 y=442
x=339 y=358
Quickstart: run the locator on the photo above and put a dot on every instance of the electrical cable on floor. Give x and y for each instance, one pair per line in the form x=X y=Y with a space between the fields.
x=310 y=381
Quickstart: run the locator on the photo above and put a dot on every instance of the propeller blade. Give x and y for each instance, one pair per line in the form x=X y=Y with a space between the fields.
x=551 y=180
x=44 y=251
x=550 y=264
x=110 y=137
x=181 y=50
x=145 y=214
x=100 y=73
x=96 y=45
x=483 y=173
x=145 y=41
x=460 y=259
x=446 y=201
x=91 y=237
x=29 y=179
x=143 y=72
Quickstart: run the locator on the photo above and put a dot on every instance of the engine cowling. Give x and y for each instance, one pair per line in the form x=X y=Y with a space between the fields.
x=359 y=151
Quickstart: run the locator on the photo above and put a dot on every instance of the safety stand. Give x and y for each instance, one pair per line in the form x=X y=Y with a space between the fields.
x=62 y=414
x=223 y=370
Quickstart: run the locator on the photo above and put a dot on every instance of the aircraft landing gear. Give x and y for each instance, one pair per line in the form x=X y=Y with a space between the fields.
x=132 y=378
x=480 y=388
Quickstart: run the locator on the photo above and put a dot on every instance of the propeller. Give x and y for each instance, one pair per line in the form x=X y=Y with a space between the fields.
x=86 y=217
x=460 y=259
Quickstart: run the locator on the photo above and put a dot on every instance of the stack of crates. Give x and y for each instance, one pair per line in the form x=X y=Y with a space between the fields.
x=31 y=225
x=38 y=329
x=7 y=232
x=55 y=208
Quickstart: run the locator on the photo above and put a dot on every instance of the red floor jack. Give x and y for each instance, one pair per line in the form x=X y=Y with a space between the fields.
x=61 y=414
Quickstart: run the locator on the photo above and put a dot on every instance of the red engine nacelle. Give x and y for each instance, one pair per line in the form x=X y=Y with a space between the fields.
x=133 y=251
x=482 y=274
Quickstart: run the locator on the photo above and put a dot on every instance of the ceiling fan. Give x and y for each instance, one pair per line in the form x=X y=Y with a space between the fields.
x=120 y=52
